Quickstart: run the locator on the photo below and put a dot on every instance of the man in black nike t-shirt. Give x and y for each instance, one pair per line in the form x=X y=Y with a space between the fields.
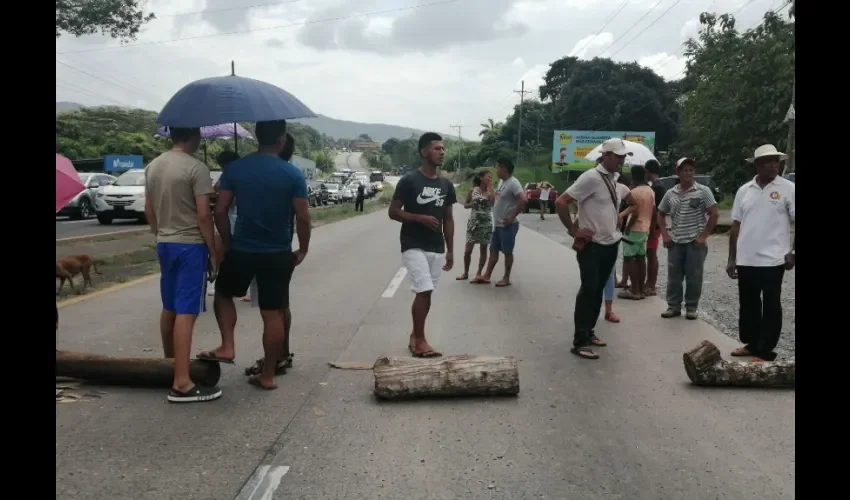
x=423 y=202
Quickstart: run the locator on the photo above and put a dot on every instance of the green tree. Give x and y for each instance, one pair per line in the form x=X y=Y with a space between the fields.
x=365 y=137
x=119 y=19
x=737 y=90
x=390 y=145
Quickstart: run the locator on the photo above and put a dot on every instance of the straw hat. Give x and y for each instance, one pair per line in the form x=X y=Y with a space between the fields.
x=766 y=150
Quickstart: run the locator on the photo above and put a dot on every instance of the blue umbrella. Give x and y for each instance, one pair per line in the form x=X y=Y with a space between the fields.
x=228 y=99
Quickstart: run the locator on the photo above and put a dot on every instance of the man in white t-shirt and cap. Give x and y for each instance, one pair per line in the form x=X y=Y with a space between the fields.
x=760 y=251
x=596 y=239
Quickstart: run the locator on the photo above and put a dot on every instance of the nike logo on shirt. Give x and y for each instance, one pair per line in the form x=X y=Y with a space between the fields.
x=423 y=200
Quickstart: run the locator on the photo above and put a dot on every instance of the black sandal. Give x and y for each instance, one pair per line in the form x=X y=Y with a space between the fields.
x=257 y=367
x=584 y=352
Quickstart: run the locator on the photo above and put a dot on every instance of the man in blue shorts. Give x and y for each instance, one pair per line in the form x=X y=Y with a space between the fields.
x=510 y=202
x=177 y=206
x=268 y=189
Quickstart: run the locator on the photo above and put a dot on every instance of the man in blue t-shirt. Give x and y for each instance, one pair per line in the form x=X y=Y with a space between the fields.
x=268 y=189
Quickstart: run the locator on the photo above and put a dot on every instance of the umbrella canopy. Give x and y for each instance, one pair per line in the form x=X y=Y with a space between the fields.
x=228 y=99
x=68 y=182
x=224 y=130
x=638 y=154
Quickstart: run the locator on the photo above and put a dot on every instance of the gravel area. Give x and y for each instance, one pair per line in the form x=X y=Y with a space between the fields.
x=719 y=302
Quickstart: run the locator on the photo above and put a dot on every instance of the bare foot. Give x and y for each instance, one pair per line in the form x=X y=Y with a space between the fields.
x=462 y=277
x=503 y=283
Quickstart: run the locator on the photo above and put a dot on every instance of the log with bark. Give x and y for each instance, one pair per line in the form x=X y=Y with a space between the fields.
x=141 y=372
x=705 y=367
x=464 y=375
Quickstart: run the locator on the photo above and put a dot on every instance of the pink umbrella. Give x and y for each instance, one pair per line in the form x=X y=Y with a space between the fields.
x=68 y=182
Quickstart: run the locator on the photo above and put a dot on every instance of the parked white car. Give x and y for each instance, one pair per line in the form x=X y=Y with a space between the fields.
x=334 y=193
x=82 y=205
x=124 y=199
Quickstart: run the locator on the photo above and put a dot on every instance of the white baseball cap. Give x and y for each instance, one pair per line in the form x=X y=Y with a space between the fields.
x=684 y=160
x=615 y=145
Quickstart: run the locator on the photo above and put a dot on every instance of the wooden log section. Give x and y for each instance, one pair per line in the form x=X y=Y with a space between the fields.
x=705 y=367
x=464 y=375
x=139 y=372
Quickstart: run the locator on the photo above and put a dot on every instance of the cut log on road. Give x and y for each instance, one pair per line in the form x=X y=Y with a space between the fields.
x=464 y=375
x=141 y=372
x=705 y=367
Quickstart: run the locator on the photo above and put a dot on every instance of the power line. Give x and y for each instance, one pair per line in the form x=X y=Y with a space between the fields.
x=622 y=6
x=632 y=27
x=225 y=9
x=253 y=30
x=133 y=90
x=677 y=2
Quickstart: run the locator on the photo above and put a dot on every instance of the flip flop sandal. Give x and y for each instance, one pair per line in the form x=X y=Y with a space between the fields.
x=584 y=352
x=280 y=369
x=462 y=278
x=479 y=282
x=741 y=351
x=502 y=284
x=627 y=294
x=255 y=381
x=597 y=341
x=211 y=356
x=425 y=354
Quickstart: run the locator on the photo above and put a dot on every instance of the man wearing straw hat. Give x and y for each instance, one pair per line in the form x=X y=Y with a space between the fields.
x=760 y=251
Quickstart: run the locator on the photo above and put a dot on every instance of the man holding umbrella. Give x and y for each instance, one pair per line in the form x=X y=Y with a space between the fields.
x=268 y=189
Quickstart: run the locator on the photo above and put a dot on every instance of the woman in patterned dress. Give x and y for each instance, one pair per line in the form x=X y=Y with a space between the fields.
x=479 y=228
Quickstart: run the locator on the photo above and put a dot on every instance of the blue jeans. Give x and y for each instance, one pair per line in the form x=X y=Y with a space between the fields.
x=609 y=285
x=504 y=239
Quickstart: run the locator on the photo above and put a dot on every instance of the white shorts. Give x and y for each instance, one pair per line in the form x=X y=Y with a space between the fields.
x=424 y=269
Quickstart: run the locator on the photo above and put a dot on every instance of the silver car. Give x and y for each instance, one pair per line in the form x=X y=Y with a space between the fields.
x=82 y=206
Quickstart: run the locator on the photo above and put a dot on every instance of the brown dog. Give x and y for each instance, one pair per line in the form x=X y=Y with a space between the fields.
x=72 y=265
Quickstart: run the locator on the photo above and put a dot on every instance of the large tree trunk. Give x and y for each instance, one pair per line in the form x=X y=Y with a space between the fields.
x=705 y=367
x=409 y=378
x=143 y=372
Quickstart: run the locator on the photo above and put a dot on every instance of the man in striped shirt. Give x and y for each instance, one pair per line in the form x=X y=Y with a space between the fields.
x=693 y=211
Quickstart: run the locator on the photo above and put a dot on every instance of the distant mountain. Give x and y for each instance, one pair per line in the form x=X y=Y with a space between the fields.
x=338 y=129
x=67 y=106
x=344 y=129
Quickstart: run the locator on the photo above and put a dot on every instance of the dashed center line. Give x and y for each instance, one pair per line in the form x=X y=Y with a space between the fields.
x=394 y=283
x=263 y=483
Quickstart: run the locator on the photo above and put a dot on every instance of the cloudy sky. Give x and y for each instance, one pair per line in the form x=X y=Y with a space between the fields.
x=425 y=64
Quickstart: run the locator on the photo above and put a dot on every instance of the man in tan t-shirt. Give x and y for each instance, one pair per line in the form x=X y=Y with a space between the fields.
x=641 y=213
x=177 y=205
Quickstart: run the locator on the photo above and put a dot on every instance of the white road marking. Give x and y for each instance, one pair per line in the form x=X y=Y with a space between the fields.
x=395 y=283
x=263 y=483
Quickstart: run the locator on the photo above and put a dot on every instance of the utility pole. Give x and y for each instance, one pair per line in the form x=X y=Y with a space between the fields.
x=459 y=136
x=521 y=93
x=789 y=116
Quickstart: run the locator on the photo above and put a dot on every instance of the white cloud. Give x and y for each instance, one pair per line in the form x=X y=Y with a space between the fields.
x=669 y=66
x=690 y=28
x=590 y=44
x=426 y=67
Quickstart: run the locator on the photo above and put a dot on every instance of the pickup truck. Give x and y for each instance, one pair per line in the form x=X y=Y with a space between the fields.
x=532 y=192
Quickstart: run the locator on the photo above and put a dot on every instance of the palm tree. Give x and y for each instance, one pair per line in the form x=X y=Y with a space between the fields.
x=487 y=127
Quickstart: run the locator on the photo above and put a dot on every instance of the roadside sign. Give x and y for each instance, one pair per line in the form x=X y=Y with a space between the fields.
x=116 y=163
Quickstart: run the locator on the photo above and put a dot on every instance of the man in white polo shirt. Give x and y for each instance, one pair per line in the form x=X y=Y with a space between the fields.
x=760 y=251
x=596 y=239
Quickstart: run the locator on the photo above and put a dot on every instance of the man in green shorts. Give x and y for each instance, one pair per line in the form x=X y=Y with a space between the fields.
x=640 y=215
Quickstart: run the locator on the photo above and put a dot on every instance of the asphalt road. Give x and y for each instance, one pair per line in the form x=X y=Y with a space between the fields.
x=629 y=426
x=350 y=160
x=66 y=228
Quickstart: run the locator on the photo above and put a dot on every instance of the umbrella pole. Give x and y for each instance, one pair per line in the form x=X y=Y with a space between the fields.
x=235 y=139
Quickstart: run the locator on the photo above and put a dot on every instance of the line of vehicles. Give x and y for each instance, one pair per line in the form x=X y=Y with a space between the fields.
x=123 y=197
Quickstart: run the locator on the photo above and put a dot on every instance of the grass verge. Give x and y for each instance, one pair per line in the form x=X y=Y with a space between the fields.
x=126 y=266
